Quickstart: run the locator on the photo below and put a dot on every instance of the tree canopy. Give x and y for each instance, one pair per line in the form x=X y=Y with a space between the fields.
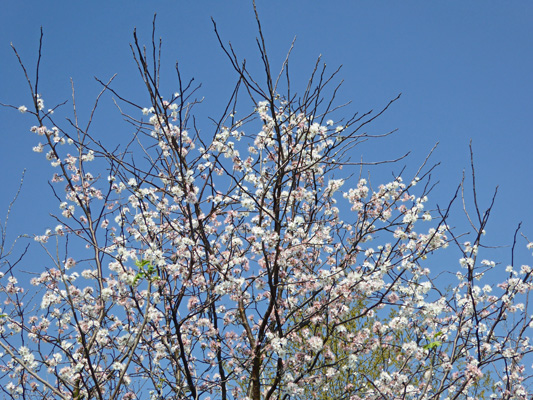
x=250 y=262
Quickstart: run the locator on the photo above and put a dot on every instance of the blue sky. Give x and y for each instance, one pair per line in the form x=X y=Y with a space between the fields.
x=463 y=68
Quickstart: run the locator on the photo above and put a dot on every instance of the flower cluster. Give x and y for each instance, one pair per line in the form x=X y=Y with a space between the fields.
x=252 y=266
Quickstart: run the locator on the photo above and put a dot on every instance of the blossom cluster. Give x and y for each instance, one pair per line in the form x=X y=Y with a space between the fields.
x=249 y=266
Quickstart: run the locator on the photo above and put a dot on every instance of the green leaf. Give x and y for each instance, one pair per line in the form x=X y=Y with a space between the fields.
x=137 y=277
x=141 y=263
x=432 y=345
x=144 y=273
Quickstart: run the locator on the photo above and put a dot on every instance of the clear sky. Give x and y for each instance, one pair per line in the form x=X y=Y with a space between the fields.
x=464 y=69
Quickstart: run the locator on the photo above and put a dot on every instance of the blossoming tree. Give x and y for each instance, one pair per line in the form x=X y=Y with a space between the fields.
x=252 y=263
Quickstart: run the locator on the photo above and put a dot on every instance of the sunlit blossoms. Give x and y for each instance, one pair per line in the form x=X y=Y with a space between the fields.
x=252 y=261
